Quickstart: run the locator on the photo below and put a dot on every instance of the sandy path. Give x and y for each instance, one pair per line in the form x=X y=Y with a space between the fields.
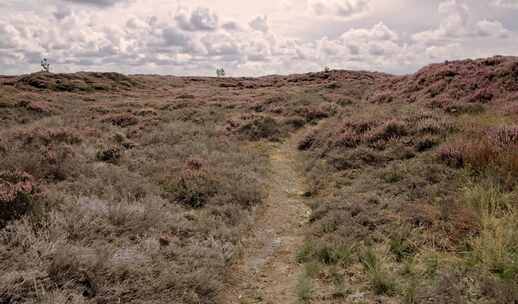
x=267 y=271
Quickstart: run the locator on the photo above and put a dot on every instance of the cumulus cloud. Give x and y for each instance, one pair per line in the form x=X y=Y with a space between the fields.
x=260 y=24
x=338 y=8
x=231 y=26
x=506 y=3
x=379 y=32
x=491 y=28
x=8 y=36
x=62 y=12
x=442 y=52
x=196 y=40
x=173 y=37
x=97 y=2
x=200 y=19
x=456 y=23
x=221 y=44
x=378 y=45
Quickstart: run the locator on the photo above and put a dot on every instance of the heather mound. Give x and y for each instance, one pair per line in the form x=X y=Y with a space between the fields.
x=465 y=82
x=76 y=82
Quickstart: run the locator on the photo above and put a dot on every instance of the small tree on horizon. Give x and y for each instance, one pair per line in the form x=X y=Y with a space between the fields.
x=220 y=72
x=45 y=66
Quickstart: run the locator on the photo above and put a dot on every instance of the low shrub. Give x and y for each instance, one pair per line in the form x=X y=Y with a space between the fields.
x=122 y=120
x=193 y=187
x=261 y=128
x=307 y=141
x=425 y=143
x=110 y=155
x=200 y=183
x=16 y=195
x=48 y=135
x=493 y=149
x=314 y=113
x=294 y=123
x=388 y=130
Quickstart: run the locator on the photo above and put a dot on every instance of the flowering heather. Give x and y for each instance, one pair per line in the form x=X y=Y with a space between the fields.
x=348 y=138
x=15 y=189
x=122 y=120
x=40 y=106
x=469 y=81
x=506 y=137
x=44 y=135
x=495 y=148
x=390 y=129
x=453 y=154
x=435 y=125
x=15 y=182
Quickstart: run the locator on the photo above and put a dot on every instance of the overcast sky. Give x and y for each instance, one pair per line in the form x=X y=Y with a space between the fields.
x=194 y=37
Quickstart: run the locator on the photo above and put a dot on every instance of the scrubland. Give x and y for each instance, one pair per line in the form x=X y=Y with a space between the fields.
x=137 y=189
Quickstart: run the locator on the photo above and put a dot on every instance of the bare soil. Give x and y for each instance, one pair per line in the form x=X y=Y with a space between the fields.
x=267 y=270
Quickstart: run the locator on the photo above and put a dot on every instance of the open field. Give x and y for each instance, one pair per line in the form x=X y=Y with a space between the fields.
x=150 y=189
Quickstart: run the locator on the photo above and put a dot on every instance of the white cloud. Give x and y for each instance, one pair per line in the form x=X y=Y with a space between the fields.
x=506 y=3
x=231 y=26
x=338 y=8
x=378 y=33
x=200 y=19
x=195 y=40
x=8 y=36
x=97 y=2
x=221 y=44
x=456 y=24
x=439 y=53
x=173 y=37
x=491 y=28
x=377 y=47
x=260 y=24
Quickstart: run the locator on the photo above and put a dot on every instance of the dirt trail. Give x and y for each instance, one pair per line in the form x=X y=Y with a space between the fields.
x=267 y=271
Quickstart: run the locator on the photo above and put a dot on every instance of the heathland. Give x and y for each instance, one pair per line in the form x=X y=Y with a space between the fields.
x=329 y=187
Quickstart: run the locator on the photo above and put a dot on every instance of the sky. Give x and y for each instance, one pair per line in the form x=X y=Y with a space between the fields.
x=251 y=38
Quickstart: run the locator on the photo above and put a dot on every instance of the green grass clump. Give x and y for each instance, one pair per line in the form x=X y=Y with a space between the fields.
x=380 y=280
x=325 y=254
x=304 y=288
